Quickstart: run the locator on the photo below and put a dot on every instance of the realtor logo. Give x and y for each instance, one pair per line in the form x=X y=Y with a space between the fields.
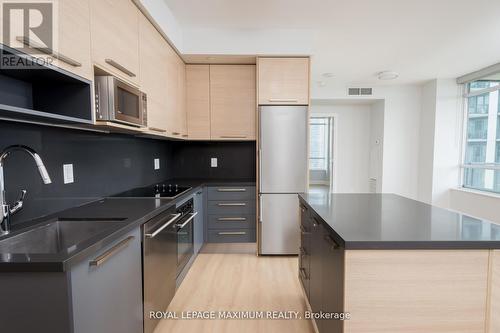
x=28 y=27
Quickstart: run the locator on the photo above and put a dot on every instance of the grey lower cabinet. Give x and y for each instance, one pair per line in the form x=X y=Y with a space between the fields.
x=106 y=288
x=231 y=214
x=321 y=270
x=199 y=223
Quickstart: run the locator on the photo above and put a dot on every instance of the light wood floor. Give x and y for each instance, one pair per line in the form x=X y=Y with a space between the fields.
x=238 y=282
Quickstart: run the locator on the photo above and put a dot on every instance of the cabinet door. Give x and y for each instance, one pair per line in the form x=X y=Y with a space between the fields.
x=198 y=221
x=283 y=81
x=74 y=37
x=115 y=37
x=198 y=101
x=154 y=71
x=108 y=297
x=181 y=98
x=176 y=94
x=232 y=100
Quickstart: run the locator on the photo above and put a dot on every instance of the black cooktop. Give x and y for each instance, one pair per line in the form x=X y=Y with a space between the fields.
x=166 y=191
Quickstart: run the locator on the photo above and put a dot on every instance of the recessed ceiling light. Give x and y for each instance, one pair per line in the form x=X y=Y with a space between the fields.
x=387 y=75
x=327 y=75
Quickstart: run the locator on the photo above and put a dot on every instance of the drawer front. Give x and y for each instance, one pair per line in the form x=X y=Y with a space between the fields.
x=231 y=236
x=241 y=221
x=231 y=207
x=231 y=193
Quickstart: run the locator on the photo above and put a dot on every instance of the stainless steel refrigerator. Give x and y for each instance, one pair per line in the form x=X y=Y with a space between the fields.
x=282 y=175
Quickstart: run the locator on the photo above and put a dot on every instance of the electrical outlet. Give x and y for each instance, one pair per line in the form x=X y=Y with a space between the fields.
x=213 y=162
x=68 y=173
x=157 y=164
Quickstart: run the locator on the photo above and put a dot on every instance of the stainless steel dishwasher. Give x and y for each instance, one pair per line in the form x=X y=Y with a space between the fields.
x=159 y=264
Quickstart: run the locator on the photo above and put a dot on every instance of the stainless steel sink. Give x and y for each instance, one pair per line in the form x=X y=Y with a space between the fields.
x=55 y=236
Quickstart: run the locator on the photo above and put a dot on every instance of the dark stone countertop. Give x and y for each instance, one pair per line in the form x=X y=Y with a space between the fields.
x=389 y=221
x=132 y=213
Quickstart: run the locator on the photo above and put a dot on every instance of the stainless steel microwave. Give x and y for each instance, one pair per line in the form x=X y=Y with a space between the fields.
x=119 y=102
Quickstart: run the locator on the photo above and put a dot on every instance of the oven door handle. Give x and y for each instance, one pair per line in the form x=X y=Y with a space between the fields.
x=169 y=222
x=188 y=220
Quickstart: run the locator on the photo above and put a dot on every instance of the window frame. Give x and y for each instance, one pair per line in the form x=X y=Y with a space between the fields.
x=495 y=166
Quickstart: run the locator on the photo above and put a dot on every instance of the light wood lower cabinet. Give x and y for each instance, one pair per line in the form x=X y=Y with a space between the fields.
x=115 y=37
x=198 y=101
x=493 y=324
x=232 y=102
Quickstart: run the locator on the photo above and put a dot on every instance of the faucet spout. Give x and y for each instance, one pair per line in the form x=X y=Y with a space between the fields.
x=5 y=210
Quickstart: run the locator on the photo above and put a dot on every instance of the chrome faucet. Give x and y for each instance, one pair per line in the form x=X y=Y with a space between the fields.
x=6 y=210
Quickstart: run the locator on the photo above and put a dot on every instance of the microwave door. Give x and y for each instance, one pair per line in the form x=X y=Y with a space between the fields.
x=128 y=104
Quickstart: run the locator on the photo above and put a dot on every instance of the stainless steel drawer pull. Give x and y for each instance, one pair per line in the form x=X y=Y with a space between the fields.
x=169 y=222
x=32 y=44
x=303 y=231
x=154 y=129
x=283 y=100
x=119 y=67
x=231 y=190
x=188 y=220
x=232 y=233
x=231 y=204
x=333 y=244
x=112 y=251
x=303 y=274
x=233 y=136
x=228 y=219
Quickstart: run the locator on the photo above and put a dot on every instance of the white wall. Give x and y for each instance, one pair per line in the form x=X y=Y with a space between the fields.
x=377 y=144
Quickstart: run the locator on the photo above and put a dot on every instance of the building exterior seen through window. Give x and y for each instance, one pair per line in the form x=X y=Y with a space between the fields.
x=481 y=168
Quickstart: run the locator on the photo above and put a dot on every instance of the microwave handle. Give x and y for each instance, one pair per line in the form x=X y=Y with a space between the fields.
x=119 y=67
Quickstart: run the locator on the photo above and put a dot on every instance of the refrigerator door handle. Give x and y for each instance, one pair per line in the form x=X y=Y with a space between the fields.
x=260 y=208
x=260 y=168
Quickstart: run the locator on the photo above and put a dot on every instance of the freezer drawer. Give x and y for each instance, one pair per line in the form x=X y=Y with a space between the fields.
x=280 y=221
x=283 y=149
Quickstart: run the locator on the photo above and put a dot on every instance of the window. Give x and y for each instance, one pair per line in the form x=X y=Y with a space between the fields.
x=481 y=169
x=319 y=151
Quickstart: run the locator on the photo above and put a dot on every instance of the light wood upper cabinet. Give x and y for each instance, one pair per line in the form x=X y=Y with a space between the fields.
x=74 y=37
x=283 y=81
x=154 y=51
x=176 y=95
x=232 y=101
x=115 y=37
x=181 y=97
x=198 y=101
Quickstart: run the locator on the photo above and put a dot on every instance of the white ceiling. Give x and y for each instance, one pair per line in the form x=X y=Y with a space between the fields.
x=353 y=39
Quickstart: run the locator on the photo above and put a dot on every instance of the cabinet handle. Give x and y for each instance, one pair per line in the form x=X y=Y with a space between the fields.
x=333 y=244
x=154 y=129
x=112 y=251
x=188 y=220
x=303 y=231
x=231 y=233
x=227 y=219
x=283 y=100
x=32 y=44
x=169 y=222
x=119 y=67
x=231 y=204
x=231 y=190
x=233 y=136
x=303 y=274
x=176 y=133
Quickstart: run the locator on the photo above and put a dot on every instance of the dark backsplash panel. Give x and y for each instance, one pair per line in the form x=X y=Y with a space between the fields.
x=103 y=164
x=236 y=160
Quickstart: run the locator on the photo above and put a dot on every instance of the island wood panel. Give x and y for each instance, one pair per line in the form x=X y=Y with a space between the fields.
x=115 y=36
x=233 y=107
x=198 y=101
x=283 y=81
x=494 y=294
x=394 y=291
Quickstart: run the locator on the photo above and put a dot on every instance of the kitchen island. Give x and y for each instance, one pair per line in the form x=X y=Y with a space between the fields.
x=398 y=265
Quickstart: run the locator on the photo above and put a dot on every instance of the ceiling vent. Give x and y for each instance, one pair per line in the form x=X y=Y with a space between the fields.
x=360 y=91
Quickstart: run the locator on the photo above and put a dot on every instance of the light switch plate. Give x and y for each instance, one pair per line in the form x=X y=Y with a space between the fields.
x=68 y=173
x=213 y=162
x=157 y=164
